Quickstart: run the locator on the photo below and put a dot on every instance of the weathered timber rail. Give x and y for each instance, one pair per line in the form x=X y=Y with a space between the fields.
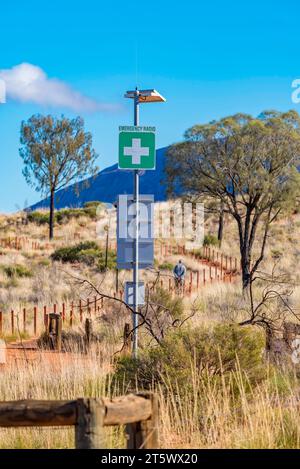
x=139 y=412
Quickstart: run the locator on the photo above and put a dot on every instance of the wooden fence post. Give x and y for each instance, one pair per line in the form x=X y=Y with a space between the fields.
x=34 y=320
x=45 y=317
x=71 y=315
x=144 y=435
x=89 y=432
x=24 y=320
x=12 y=318
x=88 y=326
x=54 y=330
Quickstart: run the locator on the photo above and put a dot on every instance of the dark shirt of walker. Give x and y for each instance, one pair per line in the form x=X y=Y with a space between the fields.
x=179 y=270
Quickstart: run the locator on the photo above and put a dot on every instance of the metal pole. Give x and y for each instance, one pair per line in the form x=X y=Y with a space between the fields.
x=136 y=244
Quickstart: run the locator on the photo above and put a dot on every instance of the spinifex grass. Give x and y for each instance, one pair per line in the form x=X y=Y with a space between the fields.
x=208 y=413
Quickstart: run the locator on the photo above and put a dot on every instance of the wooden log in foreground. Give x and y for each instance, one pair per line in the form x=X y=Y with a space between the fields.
x=144 y=434
x=28 y=413
x=90 y=420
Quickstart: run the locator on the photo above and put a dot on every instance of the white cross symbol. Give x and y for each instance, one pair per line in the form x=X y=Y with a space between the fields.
x=136 y=151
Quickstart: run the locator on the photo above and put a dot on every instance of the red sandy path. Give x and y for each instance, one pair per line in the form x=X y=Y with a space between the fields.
x=28 y=352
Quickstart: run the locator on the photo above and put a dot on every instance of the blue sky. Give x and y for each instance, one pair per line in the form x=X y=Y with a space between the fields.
x=209 y=59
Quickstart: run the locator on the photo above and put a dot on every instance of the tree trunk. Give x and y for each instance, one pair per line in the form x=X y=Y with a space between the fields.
x=221 y=224
x=245 y=277
x=51 y=218
x=245 y=266
x=245 y=249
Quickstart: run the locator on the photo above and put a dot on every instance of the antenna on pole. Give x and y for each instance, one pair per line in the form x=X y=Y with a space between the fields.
x=136 y=64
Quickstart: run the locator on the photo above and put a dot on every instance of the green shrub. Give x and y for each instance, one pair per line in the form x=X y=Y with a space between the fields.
x=276 y=253
x=210 y=240
x=65 y=214
x=72 y=253
x=17 y=270
x=40 y=218
x=111 y=261
x=90 y=212
x=89 y=256
x=90 y=208
x=166 y=266
x=44 y=262
x=87 y=252
x=217 y=351
x=164 y=298
x=92 y=203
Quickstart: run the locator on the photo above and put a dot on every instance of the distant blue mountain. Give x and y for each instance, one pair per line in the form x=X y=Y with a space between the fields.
x=109 y=183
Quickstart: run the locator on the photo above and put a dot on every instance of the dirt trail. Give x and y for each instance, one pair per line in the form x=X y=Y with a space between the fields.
x=27 y=351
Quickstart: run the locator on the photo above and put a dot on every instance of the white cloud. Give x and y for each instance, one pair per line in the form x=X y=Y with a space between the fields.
x=29 y=83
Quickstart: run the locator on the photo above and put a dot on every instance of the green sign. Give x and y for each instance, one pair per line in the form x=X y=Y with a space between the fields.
x=136 y=147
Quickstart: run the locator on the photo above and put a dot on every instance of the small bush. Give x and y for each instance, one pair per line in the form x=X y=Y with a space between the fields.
x=166 y=266
x=210 y=240
x=44 y=262
x=87 y=252
x=65 y=214
x=16 y=270
x=40 y=218
x=276 y=253
x=92 y=203
x=165 y=300
x=217 y=351
x=111 y=261
x=72 y=253
x=89 y=256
